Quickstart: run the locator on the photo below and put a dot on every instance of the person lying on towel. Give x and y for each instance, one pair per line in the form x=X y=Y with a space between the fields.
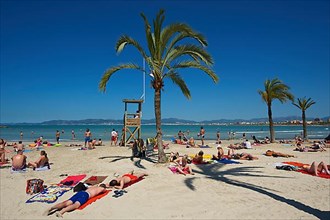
x=313 y=169
x=120 y=182
x=277 y=154
x=75 y=201
x=19 y=161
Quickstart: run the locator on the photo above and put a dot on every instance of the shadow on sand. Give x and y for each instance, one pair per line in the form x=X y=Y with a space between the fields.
x=212 y=171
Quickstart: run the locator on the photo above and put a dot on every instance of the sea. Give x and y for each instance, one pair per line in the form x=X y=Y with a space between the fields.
x=11 y=133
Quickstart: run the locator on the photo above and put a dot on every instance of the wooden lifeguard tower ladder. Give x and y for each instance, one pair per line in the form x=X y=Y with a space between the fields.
x=132 y=121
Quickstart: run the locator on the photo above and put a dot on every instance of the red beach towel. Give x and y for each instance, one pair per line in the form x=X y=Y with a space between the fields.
x=75 y=179
x=300 y=165
x=134 y=179
x=91 y=200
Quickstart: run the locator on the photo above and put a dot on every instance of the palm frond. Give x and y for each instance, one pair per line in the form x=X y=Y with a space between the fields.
x=109 y=72
x=194 y=64
x=126 y=40
x=190 y=50
x=176 y=79
x=149 y=36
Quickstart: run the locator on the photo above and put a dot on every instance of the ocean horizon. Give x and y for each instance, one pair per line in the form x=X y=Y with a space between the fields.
x=32 y=132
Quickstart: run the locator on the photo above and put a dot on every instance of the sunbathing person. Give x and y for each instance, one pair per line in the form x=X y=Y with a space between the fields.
x=75 y=201
x=277 y=154
x=41 y=162
x=183 y=166
x=120 y=182
x=256 y=141
x=19 y=161
x=236 y=146
x=220 y=154
x=99 y=143
x=313 y=169
x=2 y=151
x=191 y=142
x=306 y=149
x=240 y=156
x=173 y=156
x=199 y=158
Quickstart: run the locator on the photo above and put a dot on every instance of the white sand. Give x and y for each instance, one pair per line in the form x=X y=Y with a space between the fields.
x=251 y=190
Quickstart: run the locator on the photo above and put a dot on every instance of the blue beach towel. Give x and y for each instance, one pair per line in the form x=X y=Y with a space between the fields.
x=227 y=161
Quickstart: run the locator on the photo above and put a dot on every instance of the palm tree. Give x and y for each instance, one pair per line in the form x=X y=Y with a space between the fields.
x=168 y=52
x=304 y=104
x=274 y=89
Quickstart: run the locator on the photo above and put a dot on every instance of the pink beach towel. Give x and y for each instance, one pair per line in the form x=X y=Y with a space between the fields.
x=175 y=170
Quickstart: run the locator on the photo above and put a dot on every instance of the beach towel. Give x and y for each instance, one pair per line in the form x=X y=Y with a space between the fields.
x=93 y=180
x=174 y=170
x=17 y=171
x=50 y=194
x=300 y=165
x=27 y=150
x=72 y=180
x=204 y=146
x=3 y=163
x=205 y=156
x=134 y=179
x=226 y=161
x=91 y=200
x=45 y=168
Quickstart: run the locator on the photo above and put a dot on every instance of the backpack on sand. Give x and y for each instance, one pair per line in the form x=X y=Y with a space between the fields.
x=34 y=186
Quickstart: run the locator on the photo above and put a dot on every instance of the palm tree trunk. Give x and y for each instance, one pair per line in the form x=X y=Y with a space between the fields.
x=304 y=125
x=271 y=124
x=159 y=135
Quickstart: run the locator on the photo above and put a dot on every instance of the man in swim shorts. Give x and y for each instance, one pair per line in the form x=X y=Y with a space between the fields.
x=75 y=201
x=120 y=182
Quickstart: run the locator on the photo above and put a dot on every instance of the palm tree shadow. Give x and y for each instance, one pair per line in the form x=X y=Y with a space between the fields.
x=212 y=172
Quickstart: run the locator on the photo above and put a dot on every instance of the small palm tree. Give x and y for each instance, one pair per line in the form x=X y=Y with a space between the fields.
x=274 y=89
x=304 y=104
x=170 y=49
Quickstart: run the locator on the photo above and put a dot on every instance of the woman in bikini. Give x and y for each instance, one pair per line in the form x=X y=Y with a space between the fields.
x=313 y=169
x=183 y=166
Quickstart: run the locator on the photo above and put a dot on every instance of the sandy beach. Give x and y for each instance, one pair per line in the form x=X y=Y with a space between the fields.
x=250 y=190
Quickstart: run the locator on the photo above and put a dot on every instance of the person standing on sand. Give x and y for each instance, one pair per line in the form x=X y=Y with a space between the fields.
x=21 y=135
x=88 y=135
x=114 y=137
x=202 y=135
x=73 y=135
x=218 y=137
x=75 y=201
x=57 y=135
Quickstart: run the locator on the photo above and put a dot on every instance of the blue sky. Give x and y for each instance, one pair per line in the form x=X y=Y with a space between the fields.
x=54 y=53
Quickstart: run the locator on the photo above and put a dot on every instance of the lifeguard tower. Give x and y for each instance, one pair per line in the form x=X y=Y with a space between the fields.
x=132 y=121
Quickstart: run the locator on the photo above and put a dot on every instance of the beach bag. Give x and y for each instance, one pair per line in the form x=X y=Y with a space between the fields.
x=34 y=186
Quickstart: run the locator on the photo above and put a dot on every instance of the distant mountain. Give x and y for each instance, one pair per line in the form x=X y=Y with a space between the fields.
x=169 y=121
